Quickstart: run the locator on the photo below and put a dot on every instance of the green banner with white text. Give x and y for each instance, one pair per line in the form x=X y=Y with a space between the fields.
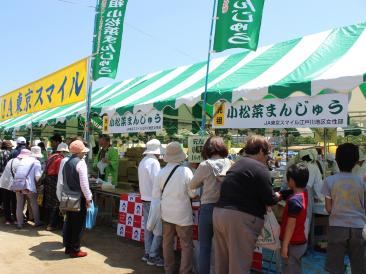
x=107 y=40
x=238 y=24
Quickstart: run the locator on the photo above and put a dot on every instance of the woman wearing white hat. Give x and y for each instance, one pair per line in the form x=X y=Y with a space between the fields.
x=171 y=185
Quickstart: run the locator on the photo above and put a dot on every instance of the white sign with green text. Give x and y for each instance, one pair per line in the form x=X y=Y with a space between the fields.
x=195 y=146
x=321 y=111
x=137 y=122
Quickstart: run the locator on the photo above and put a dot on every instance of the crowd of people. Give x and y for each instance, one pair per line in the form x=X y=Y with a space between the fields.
x=235 y=196
x=29 y=178
x=234 y=199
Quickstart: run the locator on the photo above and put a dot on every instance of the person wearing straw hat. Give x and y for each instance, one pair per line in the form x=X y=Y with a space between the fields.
x=8 y=196
x=75 y=175
x=30 y=171
x=148 y=168
x=171 y=185
x=51 y=202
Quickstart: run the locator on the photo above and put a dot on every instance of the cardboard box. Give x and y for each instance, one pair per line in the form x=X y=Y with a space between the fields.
x=122 y=168
x=131 y=163
x=132 y=175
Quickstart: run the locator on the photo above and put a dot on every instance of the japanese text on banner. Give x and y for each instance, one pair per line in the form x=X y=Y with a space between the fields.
x=325 y=111
x=138 y=122
x=238 y=24
x=63 y=87
x=108 y=31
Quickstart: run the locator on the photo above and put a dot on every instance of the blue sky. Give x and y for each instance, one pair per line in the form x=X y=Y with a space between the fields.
x=41 y=36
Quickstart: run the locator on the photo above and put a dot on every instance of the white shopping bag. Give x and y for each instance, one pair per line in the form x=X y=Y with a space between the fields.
x=154 y=220
x=270 y=236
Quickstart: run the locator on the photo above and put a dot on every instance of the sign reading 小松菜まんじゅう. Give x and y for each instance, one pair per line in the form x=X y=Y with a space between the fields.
x=321 y=111
x=134 y=122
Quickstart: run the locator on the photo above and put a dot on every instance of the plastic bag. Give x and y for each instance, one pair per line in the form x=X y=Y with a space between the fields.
x=91 y=216
x=270 y=236
x=154 y=220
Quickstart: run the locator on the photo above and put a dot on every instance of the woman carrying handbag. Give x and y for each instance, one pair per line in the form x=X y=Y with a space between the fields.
x=209 y=176
x=176 y=209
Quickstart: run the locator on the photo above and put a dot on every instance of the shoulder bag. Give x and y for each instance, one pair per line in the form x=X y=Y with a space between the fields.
x=154 y=219
x=70 y=200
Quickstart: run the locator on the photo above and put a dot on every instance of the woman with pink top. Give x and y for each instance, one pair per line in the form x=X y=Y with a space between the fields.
x=75 y=175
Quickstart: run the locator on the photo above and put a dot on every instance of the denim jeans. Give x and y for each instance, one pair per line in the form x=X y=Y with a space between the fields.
x=152 y=243
x=205 y=234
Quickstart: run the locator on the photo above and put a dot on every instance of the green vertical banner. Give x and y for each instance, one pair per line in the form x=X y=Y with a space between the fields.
x=238 y=24
x=107 y=40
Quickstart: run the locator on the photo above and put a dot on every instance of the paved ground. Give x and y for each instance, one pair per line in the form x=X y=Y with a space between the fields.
x=34 y=250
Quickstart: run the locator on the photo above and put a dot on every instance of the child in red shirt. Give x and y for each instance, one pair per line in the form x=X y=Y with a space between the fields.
x=293 y=238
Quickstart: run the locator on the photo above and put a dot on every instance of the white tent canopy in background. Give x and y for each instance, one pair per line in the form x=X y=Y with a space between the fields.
x=330 y=61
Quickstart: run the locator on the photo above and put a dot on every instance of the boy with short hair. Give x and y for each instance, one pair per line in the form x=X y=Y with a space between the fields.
x=292 y=236
x=345 y=202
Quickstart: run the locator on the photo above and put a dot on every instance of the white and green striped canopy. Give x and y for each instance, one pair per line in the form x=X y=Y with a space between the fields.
x=330 y=60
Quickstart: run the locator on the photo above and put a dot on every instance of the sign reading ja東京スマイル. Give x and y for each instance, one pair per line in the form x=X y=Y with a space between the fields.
x=63 y=87
x=108 y=31
x=238 y=24
x=137 y=122
x=324 y=111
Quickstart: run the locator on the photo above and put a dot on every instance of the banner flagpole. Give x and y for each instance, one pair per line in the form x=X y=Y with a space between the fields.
x=203 y=123
x=88 y=103
x=90 y=86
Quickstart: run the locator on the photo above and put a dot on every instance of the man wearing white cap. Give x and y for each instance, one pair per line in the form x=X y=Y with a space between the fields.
x=148 y=168
x=21 y=144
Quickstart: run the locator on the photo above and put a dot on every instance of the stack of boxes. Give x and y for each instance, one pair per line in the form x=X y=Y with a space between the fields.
x=127 y=168
x=134 y=156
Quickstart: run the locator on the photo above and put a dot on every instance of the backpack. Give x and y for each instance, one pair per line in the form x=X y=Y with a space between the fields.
x=22 y=183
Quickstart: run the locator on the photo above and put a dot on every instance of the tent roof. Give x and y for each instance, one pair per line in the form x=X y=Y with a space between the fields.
x=330 y=60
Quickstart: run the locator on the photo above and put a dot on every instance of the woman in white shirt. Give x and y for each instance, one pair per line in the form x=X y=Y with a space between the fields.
x=176 y=209
x=28 y=169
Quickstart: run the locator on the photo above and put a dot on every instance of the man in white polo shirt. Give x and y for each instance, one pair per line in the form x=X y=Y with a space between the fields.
x=148 y=168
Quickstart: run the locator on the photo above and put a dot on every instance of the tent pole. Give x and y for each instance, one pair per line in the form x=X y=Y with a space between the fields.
x=325 y=149
x=203 y=123
x=90 y=88
x=31 y=130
